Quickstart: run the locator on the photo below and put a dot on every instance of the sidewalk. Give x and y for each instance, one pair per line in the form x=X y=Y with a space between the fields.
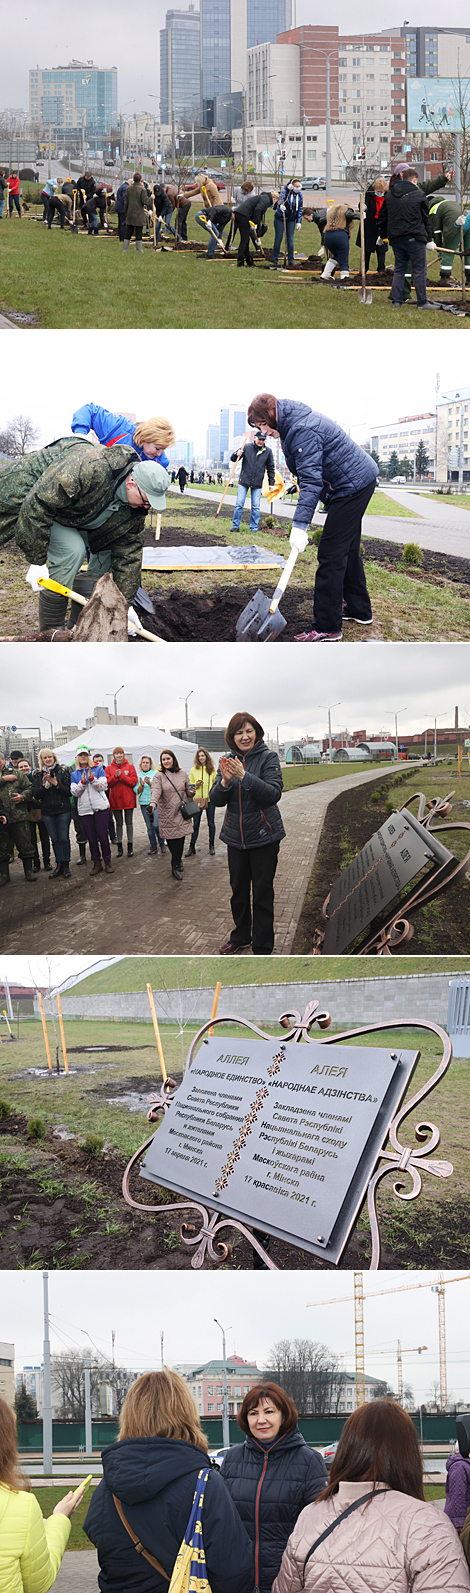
x=78 y=1572
x=441 y=530
x=141 y=909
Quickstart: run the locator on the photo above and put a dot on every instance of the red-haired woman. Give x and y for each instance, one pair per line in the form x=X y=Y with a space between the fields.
x=271 y=1477
x=249 y=785
x=371 y=1530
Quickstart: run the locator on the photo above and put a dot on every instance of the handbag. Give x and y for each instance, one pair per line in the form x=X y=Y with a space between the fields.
x=188 y=808
x=189 y=1574
x=342 y=1517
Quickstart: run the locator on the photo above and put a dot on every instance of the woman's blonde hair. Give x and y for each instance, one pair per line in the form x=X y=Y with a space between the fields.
x=159 y=1405
x=83 y=754
x=157 y=430
x=46 y=752
x=148 y=758
x=10 y=1474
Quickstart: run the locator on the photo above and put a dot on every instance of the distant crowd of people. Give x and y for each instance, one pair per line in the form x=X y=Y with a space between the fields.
x=271 y=1520
x=399 y=211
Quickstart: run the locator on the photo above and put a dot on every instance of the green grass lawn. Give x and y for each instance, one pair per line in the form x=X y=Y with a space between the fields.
x=189 y=973
x=457 y=500
x=379 y=504
x=71 y=280
x=49 y=1497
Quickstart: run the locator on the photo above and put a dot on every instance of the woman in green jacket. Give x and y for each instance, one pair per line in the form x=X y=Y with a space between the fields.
x=202 y=776
x=31 y=1549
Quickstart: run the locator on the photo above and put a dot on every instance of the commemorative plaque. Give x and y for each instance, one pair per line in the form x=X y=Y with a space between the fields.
x=390 y=860
x=282 y=1136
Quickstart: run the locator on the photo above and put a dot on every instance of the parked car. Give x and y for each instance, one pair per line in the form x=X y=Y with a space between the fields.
x=328 y=1452
x=309 y=183
x=110 y=163
x=216 y=1456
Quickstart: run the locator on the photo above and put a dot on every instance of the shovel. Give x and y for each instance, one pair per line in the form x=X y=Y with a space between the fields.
x=66 y=591
x=364 y=294
x=261 y=621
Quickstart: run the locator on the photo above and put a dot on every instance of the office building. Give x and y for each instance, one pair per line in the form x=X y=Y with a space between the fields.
x=403 y=437
x=180 y=67
x=367 y=86
x=273 y=85
x=213 y=443
x=182 y=453
x=299 y=152
x=223 y=53
x=453 y=454
x=232 y=427
x=7 y=1373
x=265 y=19
x=72 y=97
x=436 y=52
x=32 y=1380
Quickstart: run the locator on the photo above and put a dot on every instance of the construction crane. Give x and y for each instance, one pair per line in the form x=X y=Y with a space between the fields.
x=438 y=1288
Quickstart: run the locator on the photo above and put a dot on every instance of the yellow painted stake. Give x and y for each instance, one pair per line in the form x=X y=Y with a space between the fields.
x=459 y=749
x=62 y=1034
x=6 y=1021
x=215 y=1002
x=44 y=1030
x=157 y=1033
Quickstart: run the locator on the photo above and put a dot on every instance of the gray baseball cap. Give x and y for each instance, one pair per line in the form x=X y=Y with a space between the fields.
x=152 y=479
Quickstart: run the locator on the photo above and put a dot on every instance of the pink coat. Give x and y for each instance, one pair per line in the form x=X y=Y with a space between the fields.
x=394 y=1545
x=167 y=797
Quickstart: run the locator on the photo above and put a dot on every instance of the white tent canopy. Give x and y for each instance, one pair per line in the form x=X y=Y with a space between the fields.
x=137 y=741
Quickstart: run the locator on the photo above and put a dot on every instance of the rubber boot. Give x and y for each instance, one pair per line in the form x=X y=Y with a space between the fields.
x=66 y=871
x=139 y=246
x=28 y=871
x=84 y=584
x=130 y=849
x=52 y=611
x=82 y=850
x=125 y=245
x=120 y=852
x=4 y=874
x=330 y=267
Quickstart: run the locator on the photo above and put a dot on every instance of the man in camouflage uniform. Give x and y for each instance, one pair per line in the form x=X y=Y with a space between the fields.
x=444 y=214
x=14 y=791
x=74 y=494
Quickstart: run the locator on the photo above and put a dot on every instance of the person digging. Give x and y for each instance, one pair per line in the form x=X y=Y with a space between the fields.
x=15 y=828
x=76 y=496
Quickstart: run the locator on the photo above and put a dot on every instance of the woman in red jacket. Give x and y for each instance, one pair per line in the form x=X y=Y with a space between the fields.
x=122 y=777
x=14 y=194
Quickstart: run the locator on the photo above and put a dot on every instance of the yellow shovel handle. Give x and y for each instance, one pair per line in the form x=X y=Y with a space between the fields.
x=66 y=591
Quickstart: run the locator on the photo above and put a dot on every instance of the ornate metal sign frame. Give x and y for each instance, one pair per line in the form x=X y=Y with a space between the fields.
x=406 y=1160
x=397 y=929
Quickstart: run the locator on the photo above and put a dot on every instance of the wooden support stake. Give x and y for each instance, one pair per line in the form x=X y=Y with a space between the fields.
x=62 y=1034
x=157 y=1033
x=44 y=1030
x=158 y=527
x=215 y=1002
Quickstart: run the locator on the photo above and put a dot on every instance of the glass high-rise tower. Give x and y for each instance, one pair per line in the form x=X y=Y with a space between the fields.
x=180 y=67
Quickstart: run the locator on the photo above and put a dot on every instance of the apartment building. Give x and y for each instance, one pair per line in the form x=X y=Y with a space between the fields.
x=207 y=1387
x=403 y=437
x=453 y=454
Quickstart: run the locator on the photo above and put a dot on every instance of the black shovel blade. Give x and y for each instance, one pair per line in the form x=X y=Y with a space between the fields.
x=256 y=623
x=143 y=600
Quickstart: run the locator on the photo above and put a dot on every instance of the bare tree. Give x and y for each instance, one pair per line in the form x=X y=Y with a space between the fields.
x=19 y=437
x=308 y=1373
x=68 y=1383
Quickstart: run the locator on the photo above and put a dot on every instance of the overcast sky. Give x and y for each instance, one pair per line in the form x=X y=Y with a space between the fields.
x=112 y=35
x=365 y=685
x=255 y=1311
x=170 y=373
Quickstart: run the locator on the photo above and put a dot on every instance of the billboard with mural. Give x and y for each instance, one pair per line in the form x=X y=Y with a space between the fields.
x=438 y=103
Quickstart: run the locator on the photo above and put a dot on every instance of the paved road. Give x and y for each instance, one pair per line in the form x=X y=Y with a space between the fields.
x=142 y=909
x=440 y=529
x=78 y=1572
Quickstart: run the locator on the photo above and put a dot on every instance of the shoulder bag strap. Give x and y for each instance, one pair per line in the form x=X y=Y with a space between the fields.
x=342 y=1517
x=136 y=1541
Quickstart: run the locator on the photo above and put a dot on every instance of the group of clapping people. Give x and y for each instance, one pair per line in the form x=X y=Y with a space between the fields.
x=271 y=1520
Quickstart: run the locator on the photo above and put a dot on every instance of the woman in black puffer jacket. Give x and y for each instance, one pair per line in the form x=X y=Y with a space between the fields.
x=249 y=785
x=271 y=1477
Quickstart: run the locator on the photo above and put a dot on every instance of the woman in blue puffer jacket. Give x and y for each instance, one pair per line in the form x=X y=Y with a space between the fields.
x=249 y=785
x=288 y=214
x=148 y=437
x=271 y=1477
x=329 y=466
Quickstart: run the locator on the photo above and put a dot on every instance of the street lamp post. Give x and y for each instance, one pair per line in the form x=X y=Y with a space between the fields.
x=47 y=1402
x=115 y=696
x=333 y=705
x=225 y=1418
x=48 y=722
x=121 y=120
x=186 y=700
x=436 y=717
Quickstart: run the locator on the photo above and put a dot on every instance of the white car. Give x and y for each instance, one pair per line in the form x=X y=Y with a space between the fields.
x=216 y=1456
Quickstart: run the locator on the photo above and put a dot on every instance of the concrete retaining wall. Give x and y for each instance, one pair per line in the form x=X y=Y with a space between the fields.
x=352 y=1001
